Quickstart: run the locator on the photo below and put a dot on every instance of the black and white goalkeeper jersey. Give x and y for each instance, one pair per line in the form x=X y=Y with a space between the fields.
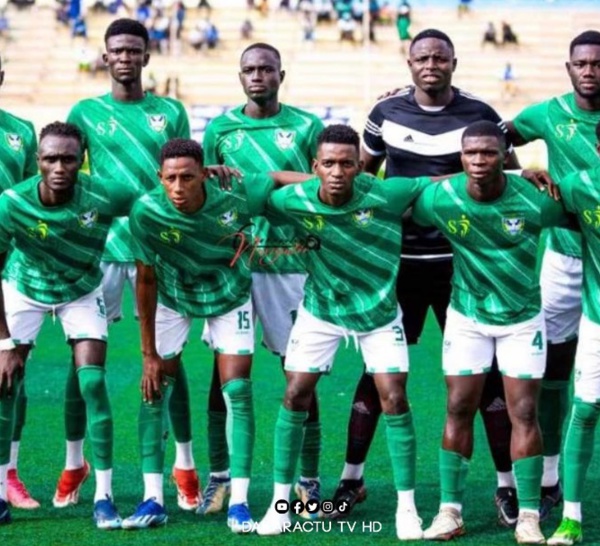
x=421 y=141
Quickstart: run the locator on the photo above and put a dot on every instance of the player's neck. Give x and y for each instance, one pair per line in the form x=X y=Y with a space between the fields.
x=51 y=198
x=588 y=104
x=486 y=192
x=268 y=109
x=441 y=98
x=127 y=93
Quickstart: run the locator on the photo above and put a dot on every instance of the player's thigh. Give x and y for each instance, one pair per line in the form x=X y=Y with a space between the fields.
x=131 y=275
x=276 y=298
x=114 y=277
x=171 y=331
x=384 y=349
x=587 y=363
x=521 y=348
x=233 y=332
x=24 y=316
x=560 y=280
x=85 y=317
x=467 y=348
x=312 y=345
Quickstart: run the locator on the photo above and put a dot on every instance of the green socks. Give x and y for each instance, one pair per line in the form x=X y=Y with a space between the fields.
x=311 y=450
x=453 y=476
x=553 y=406
x=402 y=446
x=579 y=446
x=289 y=432
x=528 y=475
x=239 y=426
x=7 y=421
x=75 y=416
x=179 y=407
x=153 y=430
x=218 y=456
x=99 y=417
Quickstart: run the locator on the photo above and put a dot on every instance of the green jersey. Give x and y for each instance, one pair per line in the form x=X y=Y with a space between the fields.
x=55 y=251
x=123 y=141
x=284 y=142
x=570 y=136
x=495 y=246
x=352 y=257
x=17 y=150
x=199 y=258
x=581 y=195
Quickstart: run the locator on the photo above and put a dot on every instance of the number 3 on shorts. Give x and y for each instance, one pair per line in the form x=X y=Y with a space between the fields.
x=243 y=320
x=538 y=340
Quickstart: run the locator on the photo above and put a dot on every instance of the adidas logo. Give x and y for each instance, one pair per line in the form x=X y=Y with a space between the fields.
x=360 y=407
x=497 y=405
x=408 y=138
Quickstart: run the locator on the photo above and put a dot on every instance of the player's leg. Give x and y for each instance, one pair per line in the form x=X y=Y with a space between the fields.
x=579 y=441
x=310 y=352
x=521 y=353
x=466 y=359
x=560 y=281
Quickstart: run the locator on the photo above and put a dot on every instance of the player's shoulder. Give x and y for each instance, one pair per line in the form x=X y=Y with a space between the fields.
x=230 y=120
x=301 y=113
x=11 y=121
x=471 y=101
x=165 y=101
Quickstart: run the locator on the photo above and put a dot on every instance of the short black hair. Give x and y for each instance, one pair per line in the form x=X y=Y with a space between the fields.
x=432 y=33
x=598 y=132
x=182 y=147
x=262 y=45
x=485 y=128
x=126 y=26
x=59 y=128
x=339 y=134
x=589 y=37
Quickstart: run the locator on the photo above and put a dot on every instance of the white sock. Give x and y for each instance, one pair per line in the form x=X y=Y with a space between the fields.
x=103 y=484
x=406 y=500
x=3 y=484
x=456 y=505
x=74 y=458
x=239 y=490
x=550 y=475
x=305 y=479
x=528 y=511
x=14 y=455
x=572 y=510
x=220 y=475
x=184 y=457
x=506 y=479
x=153 y=487
x=281 y=491
x=353 y=471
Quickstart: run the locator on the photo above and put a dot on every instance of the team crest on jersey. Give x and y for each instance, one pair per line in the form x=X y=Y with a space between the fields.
x=171 y=236
x=88 y=219
x=228 y=218
x=15 y=142
x=285 y=139
x=513 y=226
x=157 y=122
x=362 y=217
x=39 y=231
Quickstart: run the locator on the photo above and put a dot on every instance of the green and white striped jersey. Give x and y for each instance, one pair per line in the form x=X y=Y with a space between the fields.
x=17 y=150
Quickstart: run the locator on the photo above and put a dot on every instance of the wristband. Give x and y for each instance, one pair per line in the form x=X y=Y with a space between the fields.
x=7 y=344
x=518 y=172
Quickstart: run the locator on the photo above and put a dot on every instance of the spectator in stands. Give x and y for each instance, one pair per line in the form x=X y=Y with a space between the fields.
x=464 y=7
x=489 y=35
x=324 y=10
x=246 y=30
x=178 y=18
x=4 y=25
x=308 y=16
x=204 y=34
x=144 y=11
x=159 y=32
x=204 y=4
x=403 y=24
x=172 y=88
x=509 y=88
x=346 y=26
x=79 y=28
x=508 y=36
x=150 y=83
x=61 y=13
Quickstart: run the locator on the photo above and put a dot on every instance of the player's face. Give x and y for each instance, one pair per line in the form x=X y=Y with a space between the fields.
x=59 y=159
x=125 y=57
x=336 y=166
x=584 y=70
x=431 y=62
x=260 y=75
x=183 y=180
x=482 y=159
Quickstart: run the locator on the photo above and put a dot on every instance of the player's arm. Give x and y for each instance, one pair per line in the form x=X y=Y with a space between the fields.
x=286 y=178
x=528 y=125
x=183 y=123
x=31 y=167
x=11 y=363
x=422 y=210
x=373 y=150
x=372 y=163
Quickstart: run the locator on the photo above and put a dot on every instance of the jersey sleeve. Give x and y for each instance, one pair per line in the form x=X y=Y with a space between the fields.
x=530 y=122
x=372 y=136
x=277 y=201
x=5 y=223
x=122 y=198
x=258 y=188
x=140 y=247
x=209 y=143
x=422 y=212
x=182 y=129
x=315 y=131
x=401 y=191
x=566 y=190
x=552 y=212
x=31 y=167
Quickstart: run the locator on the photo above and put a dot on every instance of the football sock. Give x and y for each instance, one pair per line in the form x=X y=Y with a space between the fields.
x=353 y=471
x=528 y=475
x=453 y=476
x=550 y=476
x=20 y=413
x=92 y=383
x=239 y=490
x=153 y=487
x=74 y=455
x=553 y=407
x=289 y=431
x=14 y=453
x=311 y=449
x=179 y=408
x=7 y=421
x=217 y=442
x=402 y=446
x=579 y=446
x=3 y=481
x=103 y=485
x=153 y=427
x=75 y=416
x=239 y=426
x=184 y=456
x=572 y=510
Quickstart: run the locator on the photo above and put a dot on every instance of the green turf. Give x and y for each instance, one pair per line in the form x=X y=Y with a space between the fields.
x=43 y=451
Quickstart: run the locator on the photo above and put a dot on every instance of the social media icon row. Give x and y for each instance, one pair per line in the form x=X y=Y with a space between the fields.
x=312 y=507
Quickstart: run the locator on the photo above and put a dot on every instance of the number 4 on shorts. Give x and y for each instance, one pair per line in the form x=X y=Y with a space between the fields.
x=538 y=340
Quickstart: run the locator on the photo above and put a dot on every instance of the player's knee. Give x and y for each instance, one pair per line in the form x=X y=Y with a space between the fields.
x=394 y=402
x=298 y=396
x=460 y=408
x=524 y=412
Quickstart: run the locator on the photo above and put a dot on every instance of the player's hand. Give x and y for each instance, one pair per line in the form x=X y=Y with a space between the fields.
x=11 y=367
x=543 y=181
x=391 y=93
x=152 y=378
x=226 y=175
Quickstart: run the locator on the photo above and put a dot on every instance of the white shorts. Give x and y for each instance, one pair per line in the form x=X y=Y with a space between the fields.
x=560 y=279
x=114 y=277
x=469 y=347
x=276 y=299
x=230 y=334
x=314 y=342
x=84 y=318
x=587 y=362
